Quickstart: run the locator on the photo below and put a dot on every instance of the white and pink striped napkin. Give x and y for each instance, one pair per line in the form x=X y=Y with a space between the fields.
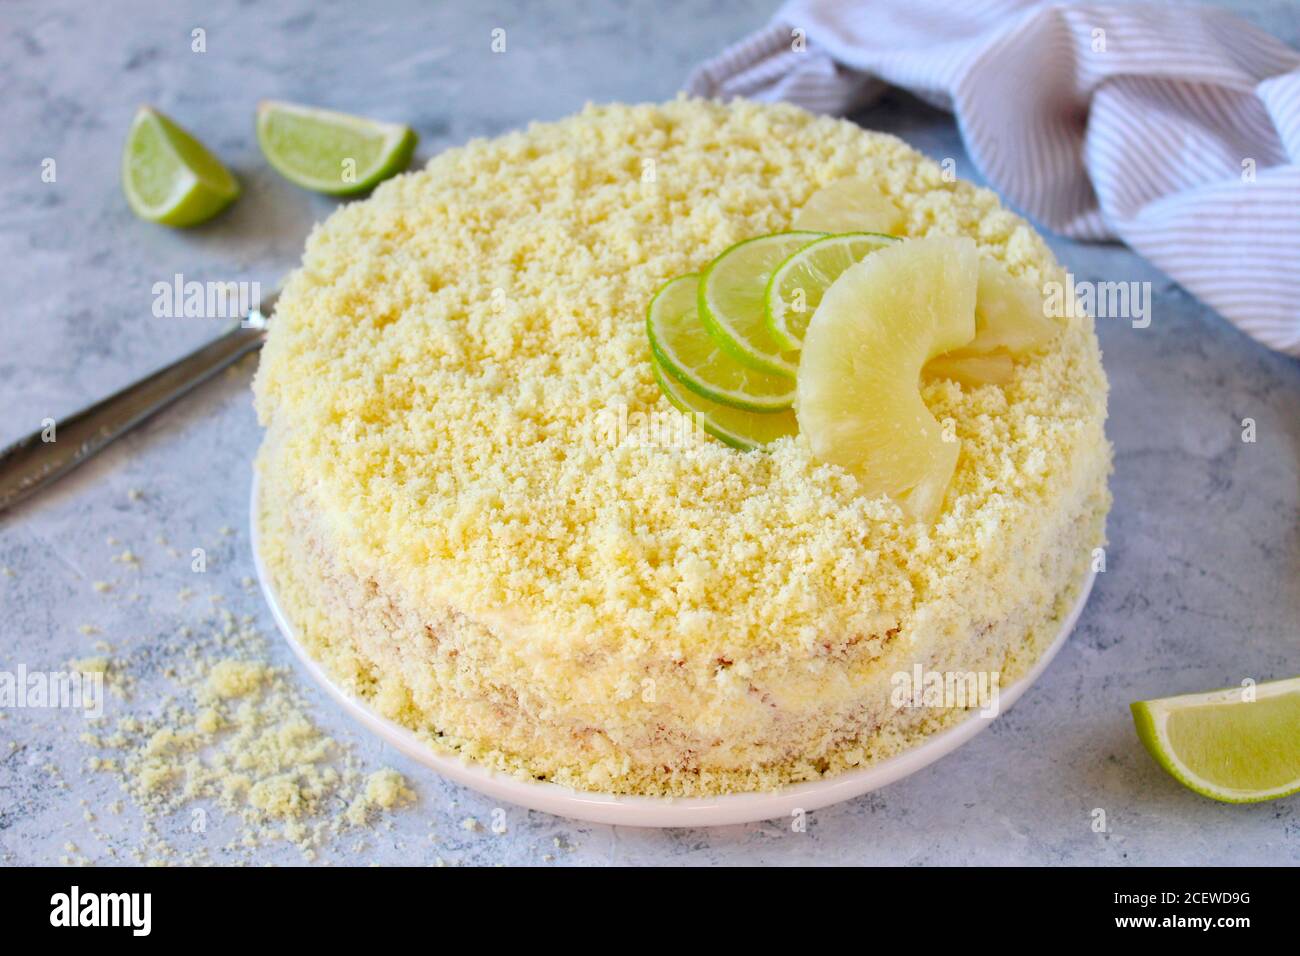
x=1175 y=129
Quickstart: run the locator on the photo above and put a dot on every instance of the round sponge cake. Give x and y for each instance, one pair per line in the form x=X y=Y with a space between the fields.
x=465 y=543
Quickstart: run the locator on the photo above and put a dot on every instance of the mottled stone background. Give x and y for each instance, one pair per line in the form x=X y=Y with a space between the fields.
x=1201 y=588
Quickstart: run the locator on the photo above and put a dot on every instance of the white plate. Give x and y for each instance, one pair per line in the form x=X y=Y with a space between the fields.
x=658 y=811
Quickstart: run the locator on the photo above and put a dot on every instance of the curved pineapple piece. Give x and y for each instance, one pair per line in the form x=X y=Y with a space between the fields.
x=850 y=205
x=1008 y=314
x=990 y=368
x=857 y=396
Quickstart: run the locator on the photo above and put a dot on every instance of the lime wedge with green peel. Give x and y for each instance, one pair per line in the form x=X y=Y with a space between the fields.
x=1230 y=745
x=796 y=287
x=331 y=152
x=169 y=177
x=695 y=358
x=733 y=290
x=737 y=427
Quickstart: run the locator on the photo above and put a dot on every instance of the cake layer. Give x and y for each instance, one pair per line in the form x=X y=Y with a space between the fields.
x=687 y=730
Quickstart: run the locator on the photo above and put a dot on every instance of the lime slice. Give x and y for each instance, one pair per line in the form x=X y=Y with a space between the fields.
x=330 y=152
x=694 y=357
x=737 y=427
x=1225 y=746
x=169 y=177
x=732 y=291
x=850 y=205
x=797 y=285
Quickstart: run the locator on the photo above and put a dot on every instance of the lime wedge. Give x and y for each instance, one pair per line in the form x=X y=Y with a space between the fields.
x=797 y=285
x=330 y=152
x=737 y=427
x=732 y=293
x=695 y=358
x=1225 y=746
x=169 y=177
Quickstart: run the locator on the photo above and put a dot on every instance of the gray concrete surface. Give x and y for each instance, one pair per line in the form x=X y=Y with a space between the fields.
x=1201 y=587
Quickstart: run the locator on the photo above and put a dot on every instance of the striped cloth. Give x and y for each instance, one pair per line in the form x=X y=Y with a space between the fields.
x=1175 y=129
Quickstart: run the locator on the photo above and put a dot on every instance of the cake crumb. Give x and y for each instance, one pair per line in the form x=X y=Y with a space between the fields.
x=232 y=678
x=387 y=788
x=208 y=721
x=90 y=665
x=383 y=790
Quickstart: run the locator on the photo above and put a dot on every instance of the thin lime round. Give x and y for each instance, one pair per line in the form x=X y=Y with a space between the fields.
x=732 y=292
x=695 y=358
x=740 y=429
x=1229 y=745
x=329 y=152
x=797 y=285
x=169 y=177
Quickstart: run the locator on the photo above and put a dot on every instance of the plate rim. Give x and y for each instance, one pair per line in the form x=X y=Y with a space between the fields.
x=652 y=811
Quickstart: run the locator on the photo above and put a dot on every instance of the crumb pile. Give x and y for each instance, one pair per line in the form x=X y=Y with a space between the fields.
x=235 y=737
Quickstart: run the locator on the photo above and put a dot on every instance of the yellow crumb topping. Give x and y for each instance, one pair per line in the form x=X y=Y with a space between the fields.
x=441 y=359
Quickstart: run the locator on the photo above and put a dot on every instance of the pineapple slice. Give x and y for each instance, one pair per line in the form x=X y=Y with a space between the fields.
x=1009 y=321
x=850 y=205
x=857 y=395
x=989 y=368
x=1008 y=314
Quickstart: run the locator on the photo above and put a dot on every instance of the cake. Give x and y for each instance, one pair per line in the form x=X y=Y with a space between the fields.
x=461 y=547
